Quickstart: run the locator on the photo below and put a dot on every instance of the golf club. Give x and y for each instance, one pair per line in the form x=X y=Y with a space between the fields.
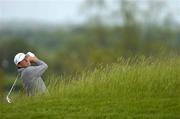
x=7 y=97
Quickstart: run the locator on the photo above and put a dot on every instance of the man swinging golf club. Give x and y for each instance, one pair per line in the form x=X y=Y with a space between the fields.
x=31 y=74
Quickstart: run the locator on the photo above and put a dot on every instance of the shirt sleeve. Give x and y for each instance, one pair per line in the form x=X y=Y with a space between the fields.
x=38 y=70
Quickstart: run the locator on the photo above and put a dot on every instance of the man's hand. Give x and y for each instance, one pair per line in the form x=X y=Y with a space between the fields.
x=31 y=57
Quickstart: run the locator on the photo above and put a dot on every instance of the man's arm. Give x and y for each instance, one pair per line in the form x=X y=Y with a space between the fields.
x=40 y=68
x=37 y=70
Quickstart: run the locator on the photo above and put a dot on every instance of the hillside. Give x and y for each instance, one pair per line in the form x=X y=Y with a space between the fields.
x=134 y=89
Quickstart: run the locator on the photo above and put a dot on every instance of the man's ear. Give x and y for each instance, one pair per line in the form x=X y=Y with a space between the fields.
x=18 y=65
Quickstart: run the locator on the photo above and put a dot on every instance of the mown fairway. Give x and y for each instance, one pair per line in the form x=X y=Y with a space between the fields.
x=131 y=89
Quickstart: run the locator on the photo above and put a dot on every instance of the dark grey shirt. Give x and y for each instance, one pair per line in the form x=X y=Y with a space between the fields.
x=31 y=76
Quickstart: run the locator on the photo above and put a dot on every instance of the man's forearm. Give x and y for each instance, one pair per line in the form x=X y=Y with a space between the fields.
x=40 y=62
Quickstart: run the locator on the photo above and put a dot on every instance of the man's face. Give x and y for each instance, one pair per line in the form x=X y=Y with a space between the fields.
x=24 y=63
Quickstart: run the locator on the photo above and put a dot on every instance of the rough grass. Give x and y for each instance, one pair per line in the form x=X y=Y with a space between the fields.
x=135 y=88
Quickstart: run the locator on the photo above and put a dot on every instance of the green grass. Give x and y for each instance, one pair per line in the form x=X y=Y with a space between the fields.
x=136 y=88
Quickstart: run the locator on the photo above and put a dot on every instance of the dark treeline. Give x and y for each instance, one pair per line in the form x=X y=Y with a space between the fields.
x=126 y=31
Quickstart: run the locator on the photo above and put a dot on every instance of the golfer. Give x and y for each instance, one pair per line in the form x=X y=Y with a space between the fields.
x=31 y=74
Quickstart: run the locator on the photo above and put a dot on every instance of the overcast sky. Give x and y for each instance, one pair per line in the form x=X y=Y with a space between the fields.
x=41 y=10
x=53 y=11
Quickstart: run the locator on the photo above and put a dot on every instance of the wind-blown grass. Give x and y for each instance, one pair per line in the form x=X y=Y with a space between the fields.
x=133 y=88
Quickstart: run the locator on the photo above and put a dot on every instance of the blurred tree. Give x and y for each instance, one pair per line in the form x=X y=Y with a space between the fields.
x=9 y=49
x=1 y=85
x=126 y=28
x=95 y=21
x=130 y=28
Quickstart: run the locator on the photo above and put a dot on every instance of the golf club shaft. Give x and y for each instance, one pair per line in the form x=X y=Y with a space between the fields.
x=13 y=85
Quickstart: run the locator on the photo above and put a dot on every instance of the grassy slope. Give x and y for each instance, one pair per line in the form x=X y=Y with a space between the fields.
x=142 y=90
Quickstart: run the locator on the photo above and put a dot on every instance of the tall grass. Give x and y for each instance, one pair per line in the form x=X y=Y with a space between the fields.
x=133 y=77
x=132 y=88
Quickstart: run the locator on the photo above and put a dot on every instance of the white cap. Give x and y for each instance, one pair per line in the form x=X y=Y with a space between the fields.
x=19 y=57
